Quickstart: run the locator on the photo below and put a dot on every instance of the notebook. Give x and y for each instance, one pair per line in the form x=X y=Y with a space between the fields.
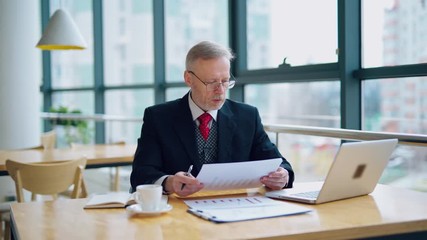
x=355 y=171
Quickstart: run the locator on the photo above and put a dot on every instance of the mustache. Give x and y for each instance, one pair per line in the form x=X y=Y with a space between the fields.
x=219 y=97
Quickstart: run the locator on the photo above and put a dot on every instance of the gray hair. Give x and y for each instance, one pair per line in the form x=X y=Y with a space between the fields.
x=207 y=50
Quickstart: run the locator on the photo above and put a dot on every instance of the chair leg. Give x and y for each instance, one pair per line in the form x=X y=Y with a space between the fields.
x=83 y=190
x=1 y=226
x=7 y=230
x=116 y=182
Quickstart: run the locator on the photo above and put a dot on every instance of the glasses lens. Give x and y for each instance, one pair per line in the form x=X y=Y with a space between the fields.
x=212 y=86
x=215 y=86
x=231 y=84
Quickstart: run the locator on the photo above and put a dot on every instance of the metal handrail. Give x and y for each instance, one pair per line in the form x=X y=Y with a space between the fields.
x=93 y=117
x=346 y=134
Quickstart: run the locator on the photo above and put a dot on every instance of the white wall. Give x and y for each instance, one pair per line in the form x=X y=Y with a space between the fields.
x=20 y=74
x=20 y=77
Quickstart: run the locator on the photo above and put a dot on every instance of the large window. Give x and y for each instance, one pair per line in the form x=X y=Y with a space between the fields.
x=140 y=60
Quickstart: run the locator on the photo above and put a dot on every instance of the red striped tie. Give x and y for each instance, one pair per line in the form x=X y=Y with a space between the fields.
x=203 y=127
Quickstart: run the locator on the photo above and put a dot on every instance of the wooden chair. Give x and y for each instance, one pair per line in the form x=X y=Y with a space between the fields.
x=48 y=140
x=50 y=178
x=46 y=178
x=115 y=184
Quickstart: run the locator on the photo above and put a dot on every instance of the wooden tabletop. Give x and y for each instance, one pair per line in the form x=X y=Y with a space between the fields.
x=97 y=155
x=386 y=211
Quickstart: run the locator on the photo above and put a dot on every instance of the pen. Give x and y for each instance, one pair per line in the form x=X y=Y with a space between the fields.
x=188 y=173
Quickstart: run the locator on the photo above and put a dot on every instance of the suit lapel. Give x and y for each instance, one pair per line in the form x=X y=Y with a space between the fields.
x=184 y=127
x=226 y=127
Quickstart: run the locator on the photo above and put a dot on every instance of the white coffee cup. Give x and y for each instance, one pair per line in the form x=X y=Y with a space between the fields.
x=149 y=197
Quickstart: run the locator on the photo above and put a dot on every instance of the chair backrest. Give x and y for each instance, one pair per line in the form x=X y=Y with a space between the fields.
x=48 y=178
x=48 y=139
x=78 y=146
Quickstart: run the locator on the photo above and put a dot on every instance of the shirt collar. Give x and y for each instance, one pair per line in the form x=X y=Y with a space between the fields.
x=196 y=111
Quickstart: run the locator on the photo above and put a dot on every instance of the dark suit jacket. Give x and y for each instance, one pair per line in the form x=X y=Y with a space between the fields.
x=168 y=143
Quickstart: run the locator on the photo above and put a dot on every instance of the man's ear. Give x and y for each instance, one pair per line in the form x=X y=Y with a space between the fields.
x=187 y=78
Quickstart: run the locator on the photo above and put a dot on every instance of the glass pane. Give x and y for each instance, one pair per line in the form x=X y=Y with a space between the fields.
x=75 y=68
x=395 y=105
x=73 y=100
x=175 y=93
x=311 y=104
x=126 y=103
x=304 y=32
x=128 y=42
x=187 y=23
x=76 y=131
x=407 y=168
x=394 y=32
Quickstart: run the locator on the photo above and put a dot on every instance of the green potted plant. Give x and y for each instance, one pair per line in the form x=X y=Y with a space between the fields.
x=76 y=131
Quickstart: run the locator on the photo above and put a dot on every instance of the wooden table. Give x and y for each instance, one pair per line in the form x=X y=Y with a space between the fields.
x=387 y=211
x=102 y=155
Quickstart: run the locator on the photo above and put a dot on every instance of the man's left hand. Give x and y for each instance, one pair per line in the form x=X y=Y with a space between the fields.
x=276 y=180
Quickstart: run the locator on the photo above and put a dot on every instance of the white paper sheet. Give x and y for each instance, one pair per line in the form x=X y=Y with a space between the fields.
x=224 y=176
x=242 y=208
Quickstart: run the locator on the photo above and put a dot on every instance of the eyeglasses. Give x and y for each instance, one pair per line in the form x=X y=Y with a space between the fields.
x=212 y=86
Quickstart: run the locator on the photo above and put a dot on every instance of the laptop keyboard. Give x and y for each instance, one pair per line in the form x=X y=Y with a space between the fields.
x=312 y=194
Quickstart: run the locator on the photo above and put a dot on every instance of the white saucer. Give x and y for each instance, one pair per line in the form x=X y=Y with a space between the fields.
x=135 y=209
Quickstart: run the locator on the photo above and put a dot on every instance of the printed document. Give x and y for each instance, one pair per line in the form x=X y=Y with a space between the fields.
x=235 y=175
x=221 y=210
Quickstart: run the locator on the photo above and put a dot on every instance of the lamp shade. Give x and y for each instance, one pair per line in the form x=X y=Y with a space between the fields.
x=61 y=34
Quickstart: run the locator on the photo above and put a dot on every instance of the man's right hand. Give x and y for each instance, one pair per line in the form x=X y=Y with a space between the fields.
x=182 y=185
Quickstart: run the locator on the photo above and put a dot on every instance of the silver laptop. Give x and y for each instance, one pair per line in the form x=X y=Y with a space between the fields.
x=355 y=171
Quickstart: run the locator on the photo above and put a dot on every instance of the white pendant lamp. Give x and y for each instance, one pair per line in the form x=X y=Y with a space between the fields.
x=61 y=34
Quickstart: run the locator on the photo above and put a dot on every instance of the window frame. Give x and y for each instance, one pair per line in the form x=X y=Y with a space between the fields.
x=347 y=70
